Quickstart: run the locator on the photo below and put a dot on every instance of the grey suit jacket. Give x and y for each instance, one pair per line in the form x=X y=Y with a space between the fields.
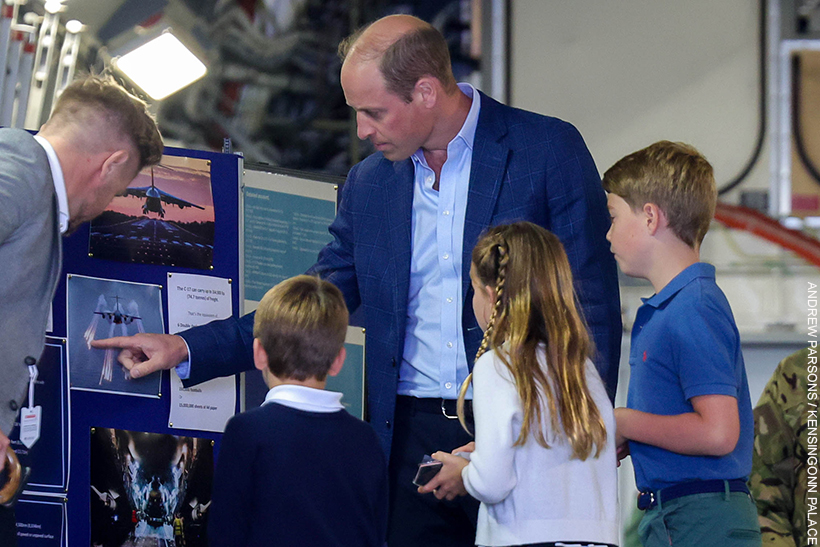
x=30 y=254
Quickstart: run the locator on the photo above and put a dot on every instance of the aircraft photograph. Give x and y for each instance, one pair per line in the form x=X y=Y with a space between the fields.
x=165 y=217
x=140 y=482
x=115 y=316
x=101 y=308
x=154 y=197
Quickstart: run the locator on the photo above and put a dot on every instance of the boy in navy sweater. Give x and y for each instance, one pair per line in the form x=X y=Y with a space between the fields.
x=688 y=420
x=299 y=470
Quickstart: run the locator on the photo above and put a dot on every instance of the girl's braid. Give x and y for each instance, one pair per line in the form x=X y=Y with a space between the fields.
x=501 y=277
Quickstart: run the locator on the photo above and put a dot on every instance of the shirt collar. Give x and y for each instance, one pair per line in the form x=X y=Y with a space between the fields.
x=467 y=131
x=305 y=398
x=59 y=181
x=696 y=270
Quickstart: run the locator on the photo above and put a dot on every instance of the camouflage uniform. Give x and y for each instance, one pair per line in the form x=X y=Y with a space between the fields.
x=779 y=477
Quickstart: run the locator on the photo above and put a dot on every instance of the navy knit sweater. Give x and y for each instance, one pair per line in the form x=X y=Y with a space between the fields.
x=291 y=477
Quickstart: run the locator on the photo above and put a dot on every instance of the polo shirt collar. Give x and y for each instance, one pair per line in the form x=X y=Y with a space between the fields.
x=305 y=398
x=696 y=270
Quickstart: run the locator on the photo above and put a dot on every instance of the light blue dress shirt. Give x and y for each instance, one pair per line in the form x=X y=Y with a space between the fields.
x=434 y=362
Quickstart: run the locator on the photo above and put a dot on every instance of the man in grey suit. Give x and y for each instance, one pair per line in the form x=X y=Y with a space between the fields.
x=95 y=142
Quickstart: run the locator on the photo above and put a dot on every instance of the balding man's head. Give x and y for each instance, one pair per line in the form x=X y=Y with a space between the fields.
x=406 y=49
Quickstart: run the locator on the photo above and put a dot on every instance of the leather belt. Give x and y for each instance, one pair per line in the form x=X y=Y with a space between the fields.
x=649 y=499
x=430 y=405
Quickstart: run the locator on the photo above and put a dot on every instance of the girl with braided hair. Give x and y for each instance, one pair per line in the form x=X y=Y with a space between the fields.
x=543 y=462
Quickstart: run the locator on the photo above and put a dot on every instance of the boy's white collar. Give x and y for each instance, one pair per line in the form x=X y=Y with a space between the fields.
x=305 y=398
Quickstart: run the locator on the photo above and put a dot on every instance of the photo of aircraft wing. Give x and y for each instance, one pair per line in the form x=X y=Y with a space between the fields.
x=154 y=197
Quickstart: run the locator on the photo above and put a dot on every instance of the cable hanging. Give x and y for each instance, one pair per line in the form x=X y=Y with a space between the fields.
x=761 y=133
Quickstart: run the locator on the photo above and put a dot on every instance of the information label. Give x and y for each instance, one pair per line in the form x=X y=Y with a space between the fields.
x=286 y=221
x=194 y=300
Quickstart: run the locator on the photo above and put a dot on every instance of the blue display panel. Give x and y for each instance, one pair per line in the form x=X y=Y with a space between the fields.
x=48 y=457
x=284 y=233
x=120 y=411
x=41 y=522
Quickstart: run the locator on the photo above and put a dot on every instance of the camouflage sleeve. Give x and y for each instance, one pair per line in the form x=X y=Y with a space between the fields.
x=774 y=460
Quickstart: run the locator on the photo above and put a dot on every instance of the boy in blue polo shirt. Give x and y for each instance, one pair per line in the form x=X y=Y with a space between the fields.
x=688 y=421
x=299 y=470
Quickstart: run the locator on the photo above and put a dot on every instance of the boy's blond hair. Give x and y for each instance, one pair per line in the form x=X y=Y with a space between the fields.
x=301 y=323
x=675 y=177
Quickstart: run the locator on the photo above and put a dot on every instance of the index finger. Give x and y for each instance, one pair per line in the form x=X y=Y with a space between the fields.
x=114 y=343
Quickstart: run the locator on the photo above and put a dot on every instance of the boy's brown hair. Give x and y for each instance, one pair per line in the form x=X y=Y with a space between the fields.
x=301 y=323
x=675 y=177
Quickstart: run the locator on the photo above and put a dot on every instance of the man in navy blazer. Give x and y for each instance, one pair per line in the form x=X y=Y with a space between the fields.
x=450 y=162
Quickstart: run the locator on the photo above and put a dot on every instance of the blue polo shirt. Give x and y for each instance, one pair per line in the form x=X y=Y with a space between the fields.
x=685 y=343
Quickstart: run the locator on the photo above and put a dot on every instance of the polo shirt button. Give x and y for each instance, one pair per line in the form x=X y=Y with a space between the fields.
x=13 y=405
x=387 y=424
x=393 y=362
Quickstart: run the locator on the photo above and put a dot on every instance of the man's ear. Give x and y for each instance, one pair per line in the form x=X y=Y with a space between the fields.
x=116 y=164
x=426 y=90
x=260 y=356
x=655 y=218
x=336 y=366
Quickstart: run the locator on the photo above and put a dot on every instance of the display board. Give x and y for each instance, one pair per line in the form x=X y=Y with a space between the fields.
x=285 y=216
x=180 y=217
x=164 y=257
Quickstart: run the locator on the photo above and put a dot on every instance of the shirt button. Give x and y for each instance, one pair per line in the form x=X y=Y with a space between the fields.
x=450 y=300
x=13 y=405
x=429 y=179
x=448 y=385
x=445 y=256
x=446 y=213
x=449 y=344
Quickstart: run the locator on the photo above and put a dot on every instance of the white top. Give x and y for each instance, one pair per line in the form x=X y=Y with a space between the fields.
x=59 y=181
x=305 y=398
x=530 y=494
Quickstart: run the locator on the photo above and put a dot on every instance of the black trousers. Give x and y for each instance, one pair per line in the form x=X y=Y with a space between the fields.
x=420 y=519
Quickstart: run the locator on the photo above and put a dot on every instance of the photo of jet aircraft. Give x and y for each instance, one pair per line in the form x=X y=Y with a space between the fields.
x=115 y=317
x=154 y=197
x=102 y=308
x=166 y=216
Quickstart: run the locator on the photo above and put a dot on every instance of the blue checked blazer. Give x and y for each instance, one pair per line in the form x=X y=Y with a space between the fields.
x=525 y=166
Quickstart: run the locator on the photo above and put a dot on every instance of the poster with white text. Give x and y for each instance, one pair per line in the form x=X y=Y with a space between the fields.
x=194 y=300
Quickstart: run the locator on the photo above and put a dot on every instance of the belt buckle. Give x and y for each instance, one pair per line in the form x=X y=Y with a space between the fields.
x=444 y=411
x=646 y=500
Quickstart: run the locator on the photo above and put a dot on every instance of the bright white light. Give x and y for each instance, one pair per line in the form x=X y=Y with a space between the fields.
x=162 y=66
x=53 y=6
x=74 y=26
